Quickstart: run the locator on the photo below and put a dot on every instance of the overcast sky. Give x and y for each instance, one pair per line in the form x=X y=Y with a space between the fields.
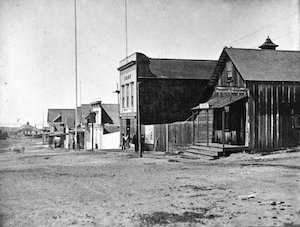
x=37 y=43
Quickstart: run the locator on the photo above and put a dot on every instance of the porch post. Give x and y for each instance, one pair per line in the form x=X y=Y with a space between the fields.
x=198 y=126
x=223 y=128
x=207 y=128
x=193 y=136
x=247 y=125
x=92 y=136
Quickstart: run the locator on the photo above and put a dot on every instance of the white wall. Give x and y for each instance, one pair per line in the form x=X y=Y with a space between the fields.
x=111 y=141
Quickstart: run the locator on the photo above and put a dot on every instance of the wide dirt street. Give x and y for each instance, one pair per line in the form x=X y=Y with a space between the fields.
x=44 y=187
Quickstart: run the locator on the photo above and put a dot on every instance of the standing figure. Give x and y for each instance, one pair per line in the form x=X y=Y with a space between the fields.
x=123 y=142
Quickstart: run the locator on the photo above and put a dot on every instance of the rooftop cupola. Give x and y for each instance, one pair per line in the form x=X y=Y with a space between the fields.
x=268 y=45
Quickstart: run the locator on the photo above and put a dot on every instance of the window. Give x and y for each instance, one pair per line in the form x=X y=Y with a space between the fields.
x=229 y=73
x=132 y=93
x=295 y=119
x=127 y=95
x=123 y=95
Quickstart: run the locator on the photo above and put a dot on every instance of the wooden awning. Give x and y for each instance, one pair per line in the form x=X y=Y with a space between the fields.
x=219 y=102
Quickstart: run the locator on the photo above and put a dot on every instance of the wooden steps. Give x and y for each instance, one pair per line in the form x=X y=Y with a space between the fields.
x=213 y=150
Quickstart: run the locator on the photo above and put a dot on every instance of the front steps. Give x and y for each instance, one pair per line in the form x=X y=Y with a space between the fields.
x=213 y=150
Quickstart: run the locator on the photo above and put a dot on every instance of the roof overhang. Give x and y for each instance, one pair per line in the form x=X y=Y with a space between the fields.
x=219 y=102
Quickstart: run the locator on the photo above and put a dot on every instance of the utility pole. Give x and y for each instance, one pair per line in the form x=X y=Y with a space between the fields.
x=75 y=31
x=118 y=95
x=139 y=120
x=126 y=39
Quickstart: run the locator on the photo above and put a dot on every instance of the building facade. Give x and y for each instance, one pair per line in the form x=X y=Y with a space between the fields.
x=254 y=99
x=160 y=90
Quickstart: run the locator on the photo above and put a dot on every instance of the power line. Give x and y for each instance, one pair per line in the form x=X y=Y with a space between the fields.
x=269 y=25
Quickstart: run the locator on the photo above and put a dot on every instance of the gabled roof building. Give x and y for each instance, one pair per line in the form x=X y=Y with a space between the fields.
x=253 y=99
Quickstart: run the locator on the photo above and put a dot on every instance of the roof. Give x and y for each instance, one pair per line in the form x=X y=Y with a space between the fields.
x=268 y=44
x=219 y=102
x=181 y=68
x=266 y=65
x=28 y=127
x=67 y=116
x=110 y=114
x=83 y=111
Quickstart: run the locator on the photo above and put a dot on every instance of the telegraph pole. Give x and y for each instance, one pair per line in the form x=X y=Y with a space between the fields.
x=126 y=29
x=118 y=95
x=75 y=30
x=139 y=137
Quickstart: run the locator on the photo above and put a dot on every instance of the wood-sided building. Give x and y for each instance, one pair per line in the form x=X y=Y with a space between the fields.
x=164 y=90
x=252 y=100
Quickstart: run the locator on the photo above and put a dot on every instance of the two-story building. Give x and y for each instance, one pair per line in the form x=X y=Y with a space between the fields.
x=160 y=90
x=252 y=100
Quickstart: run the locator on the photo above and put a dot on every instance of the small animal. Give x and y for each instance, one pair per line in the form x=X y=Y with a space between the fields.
x=18 y=149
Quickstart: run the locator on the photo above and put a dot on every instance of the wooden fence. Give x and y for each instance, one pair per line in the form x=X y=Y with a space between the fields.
x=178 y=135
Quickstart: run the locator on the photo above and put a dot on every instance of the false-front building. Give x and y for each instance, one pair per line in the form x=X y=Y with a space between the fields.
x=164 y=90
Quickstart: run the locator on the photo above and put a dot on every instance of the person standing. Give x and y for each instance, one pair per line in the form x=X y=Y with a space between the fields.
x=123 y=142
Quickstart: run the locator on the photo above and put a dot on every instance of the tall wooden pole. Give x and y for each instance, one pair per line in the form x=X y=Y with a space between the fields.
x=126 y=39
x=118 y=95
x=75 y=30
x=139 y=120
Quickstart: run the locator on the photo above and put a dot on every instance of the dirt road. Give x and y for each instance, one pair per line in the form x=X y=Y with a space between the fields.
x=45 y=187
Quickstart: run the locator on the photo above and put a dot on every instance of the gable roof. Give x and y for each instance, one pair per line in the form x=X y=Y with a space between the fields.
x=83 y=111
x=28 y=127
x=110 y=114
x=266 y=65
x=181 y=68
x=67 y=116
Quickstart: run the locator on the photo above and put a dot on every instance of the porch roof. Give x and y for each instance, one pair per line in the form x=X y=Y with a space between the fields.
x=219 y=102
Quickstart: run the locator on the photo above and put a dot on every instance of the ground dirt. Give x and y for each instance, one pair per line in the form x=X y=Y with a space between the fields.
x=44 y=187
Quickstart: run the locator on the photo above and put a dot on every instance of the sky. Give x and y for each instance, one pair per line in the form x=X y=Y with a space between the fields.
x=37 y=44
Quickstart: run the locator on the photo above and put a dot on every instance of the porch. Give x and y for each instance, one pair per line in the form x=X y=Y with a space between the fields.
x=215 y=150
x=219 y=126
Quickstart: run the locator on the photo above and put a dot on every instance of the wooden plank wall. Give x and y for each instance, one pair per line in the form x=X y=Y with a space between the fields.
x=200 y=125
x=180 y=135
x=272 y=106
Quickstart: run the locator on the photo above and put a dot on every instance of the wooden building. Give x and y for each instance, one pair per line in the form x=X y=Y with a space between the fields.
x=102 y=120
x=252 y=100
x=163 y=90
x=61 y=121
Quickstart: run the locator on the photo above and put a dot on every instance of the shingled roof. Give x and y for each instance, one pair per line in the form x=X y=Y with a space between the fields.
x=181 y=68
x=266 y=65
x=110 y=114
x=67 y=116
x=83 y=111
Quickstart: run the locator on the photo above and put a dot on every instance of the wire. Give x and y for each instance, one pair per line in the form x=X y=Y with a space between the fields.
x=269 y=25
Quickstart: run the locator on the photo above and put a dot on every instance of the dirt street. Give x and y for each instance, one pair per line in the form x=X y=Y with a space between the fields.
x=44 y=187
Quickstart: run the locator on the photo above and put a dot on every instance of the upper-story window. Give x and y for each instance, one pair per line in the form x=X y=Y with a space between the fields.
x=127 y=95
x=229 y=73
x=132 y=93
x=123 y=95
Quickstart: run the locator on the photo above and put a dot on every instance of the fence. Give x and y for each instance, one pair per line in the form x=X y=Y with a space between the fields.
x=173 y=136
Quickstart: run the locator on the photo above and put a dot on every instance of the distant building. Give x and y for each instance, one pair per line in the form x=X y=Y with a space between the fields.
x=28 y=130
x=164 y=89
x=253 y=99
